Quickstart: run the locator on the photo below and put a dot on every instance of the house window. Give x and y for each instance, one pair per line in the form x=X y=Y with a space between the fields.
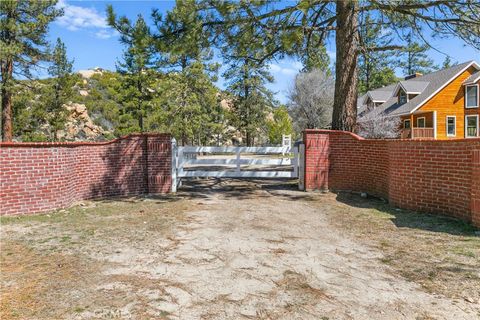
x=402 y=97
x=406 y=124
x=471 y=126
x=451 y=126
x=471 y=96
x=421 y=122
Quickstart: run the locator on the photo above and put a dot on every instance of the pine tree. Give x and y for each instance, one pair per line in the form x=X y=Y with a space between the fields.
x=246 y=78
x=311 y=52
x=280 y=124
x=190 y=109
x=178 y=51
x=316 y=58
x=447 y=63
x=183 y=98
x=252 y=99
x=61 y=88
x=137 y=68
x=23 y=45
x=375 y=67
x=415 y=59
x=287 y=28
x=187 y=57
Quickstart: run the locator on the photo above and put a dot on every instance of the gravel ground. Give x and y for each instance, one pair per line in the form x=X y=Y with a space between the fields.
x=236 y=250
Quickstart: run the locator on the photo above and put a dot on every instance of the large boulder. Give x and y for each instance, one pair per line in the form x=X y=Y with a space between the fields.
x=79 y=125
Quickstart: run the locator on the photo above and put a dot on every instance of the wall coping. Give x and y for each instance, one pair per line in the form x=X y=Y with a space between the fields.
x=73 y=144
x=327 y=131
x=357 y=137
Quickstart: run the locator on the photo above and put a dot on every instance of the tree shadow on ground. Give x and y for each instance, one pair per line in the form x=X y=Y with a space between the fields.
x=243 y=189
x=409 y=219
x=157 y=198
x=226 y=188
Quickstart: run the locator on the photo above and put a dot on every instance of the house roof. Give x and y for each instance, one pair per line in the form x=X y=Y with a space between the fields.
x=377 y=95
x=473 y=78
x=361 y=107
x=412 y=86
x=380 y=95
x=431 y=84
x=360 y=100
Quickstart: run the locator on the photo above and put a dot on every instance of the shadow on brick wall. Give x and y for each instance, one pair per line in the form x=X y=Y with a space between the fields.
x=123 y=168
x=409 y=219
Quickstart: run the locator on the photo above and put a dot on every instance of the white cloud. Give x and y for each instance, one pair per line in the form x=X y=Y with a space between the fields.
x=275 y=67
x=286 y=68
x=289 y=71
x=106 y=34
x=80 y=18
x=297 y=65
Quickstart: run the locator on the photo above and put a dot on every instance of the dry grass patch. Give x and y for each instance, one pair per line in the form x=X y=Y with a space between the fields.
x=36 y=285
x=56 y=265
x=440 y=253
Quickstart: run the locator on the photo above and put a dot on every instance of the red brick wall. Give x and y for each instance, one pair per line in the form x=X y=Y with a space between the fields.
x=425 y=175
x=38 y=177
x=316 y=160
x=475 y=200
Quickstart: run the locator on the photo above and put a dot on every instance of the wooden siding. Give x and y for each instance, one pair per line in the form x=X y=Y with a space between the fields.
x=450 y=101
x=428 y=119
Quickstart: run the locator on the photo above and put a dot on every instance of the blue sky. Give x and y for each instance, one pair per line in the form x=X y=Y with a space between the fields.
x=92 y=43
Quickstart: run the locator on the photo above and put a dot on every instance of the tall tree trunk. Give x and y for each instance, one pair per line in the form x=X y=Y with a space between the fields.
x=367 y=74
x=140 y=122
x=140 y=105
x=410 y=64
x=346 y=70
x=7 y=71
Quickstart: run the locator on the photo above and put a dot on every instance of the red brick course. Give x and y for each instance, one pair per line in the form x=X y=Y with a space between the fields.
x=425 y=175
x=38 y=177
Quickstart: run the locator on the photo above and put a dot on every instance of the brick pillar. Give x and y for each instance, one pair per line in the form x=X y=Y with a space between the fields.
x=159 y=157
x=475 y=195
x=317 y=147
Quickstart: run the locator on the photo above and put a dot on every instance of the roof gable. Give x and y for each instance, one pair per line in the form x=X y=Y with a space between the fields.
x=379 y=95
x=414 y=87
x=473 y=78
x=410 y=87
x=436 y=82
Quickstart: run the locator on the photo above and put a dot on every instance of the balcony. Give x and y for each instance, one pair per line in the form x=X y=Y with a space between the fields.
x=418 y=133
x=423 y=133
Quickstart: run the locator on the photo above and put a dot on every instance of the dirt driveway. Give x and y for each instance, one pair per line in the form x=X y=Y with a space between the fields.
x=238 y=250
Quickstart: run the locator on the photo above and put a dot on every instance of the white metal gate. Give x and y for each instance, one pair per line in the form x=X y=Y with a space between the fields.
x=185 y=161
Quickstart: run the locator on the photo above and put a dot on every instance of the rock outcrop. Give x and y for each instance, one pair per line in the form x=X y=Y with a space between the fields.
x=87 y=74
x=79 y=126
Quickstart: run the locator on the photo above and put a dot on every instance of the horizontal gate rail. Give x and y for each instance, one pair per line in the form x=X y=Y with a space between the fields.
x=243 y=161
x=185 y=163
x=237 y=149
x=238 y=174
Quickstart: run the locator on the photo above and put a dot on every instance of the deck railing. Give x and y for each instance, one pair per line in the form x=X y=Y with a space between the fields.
x=421 y=133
